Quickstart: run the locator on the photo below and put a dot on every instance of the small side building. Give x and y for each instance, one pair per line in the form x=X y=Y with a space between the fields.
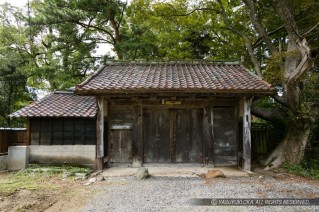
x=61 y=129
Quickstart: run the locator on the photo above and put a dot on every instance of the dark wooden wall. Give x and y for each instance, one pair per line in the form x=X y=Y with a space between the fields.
x=190 y=131
x=12 y=137
x=62 y=131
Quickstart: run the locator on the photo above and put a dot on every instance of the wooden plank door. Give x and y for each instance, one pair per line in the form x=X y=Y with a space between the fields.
x=188 y=139
x=121 y=146
x=173 y=135
x=225 y=136
x=156 y=125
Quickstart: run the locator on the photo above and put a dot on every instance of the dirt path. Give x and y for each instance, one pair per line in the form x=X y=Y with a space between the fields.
x=41 y=192
x=169 y=193
x=158 y=193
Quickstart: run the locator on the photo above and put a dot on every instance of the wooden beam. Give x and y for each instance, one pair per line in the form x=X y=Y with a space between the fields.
x=100 y=133
x=246 y=165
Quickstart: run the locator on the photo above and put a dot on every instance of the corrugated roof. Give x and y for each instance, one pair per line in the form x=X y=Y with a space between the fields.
x=60 y=104
x=178 y=77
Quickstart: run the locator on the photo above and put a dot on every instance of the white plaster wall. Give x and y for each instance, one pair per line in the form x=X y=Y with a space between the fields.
x=63 y=154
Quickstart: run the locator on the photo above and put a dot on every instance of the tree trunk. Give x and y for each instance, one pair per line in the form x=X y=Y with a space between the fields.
x=292 y=148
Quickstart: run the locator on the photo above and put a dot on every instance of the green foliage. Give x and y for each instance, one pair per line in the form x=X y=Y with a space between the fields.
x=71 y=170
x=166 y=30
x=305 y=168
x=274 y=70
x=23 y=180
x=70 y=31
x=310 y=86
x=36 y=178
x=14 y=60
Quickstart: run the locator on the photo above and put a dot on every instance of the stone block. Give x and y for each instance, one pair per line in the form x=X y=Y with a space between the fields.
x=18 y=157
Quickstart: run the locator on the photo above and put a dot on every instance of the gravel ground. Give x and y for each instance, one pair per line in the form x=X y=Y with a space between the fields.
x=174 y=193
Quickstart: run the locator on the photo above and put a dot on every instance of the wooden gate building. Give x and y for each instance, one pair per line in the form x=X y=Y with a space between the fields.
x=173 y=112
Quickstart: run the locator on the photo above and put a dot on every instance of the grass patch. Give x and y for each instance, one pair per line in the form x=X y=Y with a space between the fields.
x=306 y=168
x=12 y=182
x=59 y=169
x=35 y=178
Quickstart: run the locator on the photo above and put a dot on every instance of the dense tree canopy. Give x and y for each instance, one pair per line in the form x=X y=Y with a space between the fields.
x=14 y=62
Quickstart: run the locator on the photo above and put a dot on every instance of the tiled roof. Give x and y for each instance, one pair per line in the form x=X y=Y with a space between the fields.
x=60 y=104
x=178 y=77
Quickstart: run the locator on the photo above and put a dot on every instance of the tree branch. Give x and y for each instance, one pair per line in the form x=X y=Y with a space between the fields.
x=310 y=30
x=259 y=40
x=187 y=14
x=288 y=19
x=246 y=40
x=258 y=26
x=269 y=114
x=122 y=14
x=305 y=63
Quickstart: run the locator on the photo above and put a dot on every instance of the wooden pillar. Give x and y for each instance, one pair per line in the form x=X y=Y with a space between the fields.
x=99 y=133
x=137 y=149
x=246 y=165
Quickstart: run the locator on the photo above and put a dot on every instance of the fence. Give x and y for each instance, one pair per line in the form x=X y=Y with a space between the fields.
x=259 y=139
x=12 y=137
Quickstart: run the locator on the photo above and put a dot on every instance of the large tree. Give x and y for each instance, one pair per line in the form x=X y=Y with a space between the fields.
x=282 y=29
x=14 y=60
x=176 y=29
x=69 y=33
x=297 y=60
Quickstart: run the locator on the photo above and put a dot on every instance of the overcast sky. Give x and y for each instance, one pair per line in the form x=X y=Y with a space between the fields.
x=18 y=3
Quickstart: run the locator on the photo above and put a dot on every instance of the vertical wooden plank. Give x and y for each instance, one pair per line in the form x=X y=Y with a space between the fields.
x=163 y=153
x=207 y=138
x=34 y=131
x=100 y=133
x=137 y=149
x=28 y=133
x=140 y=136
x=189 y=136
x=172 y=134
x=246 y=134
x=196 y=150
x=148 y=136
x=135 y=136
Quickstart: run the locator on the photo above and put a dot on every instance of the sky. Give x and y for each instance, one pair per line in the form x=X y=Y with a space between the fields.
x=17 y=3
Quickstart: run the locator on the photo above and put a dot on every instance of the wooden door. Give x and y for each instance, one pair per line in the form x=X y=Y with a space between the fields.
x=225 y=136
x=173 y=135
x=121 y=146
x=156 y=136
x=188 y=139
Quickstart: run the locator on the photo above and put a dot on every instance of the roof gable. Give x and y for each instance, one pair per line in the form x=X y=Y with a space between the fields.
x=59 y=104
x=178 y=77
